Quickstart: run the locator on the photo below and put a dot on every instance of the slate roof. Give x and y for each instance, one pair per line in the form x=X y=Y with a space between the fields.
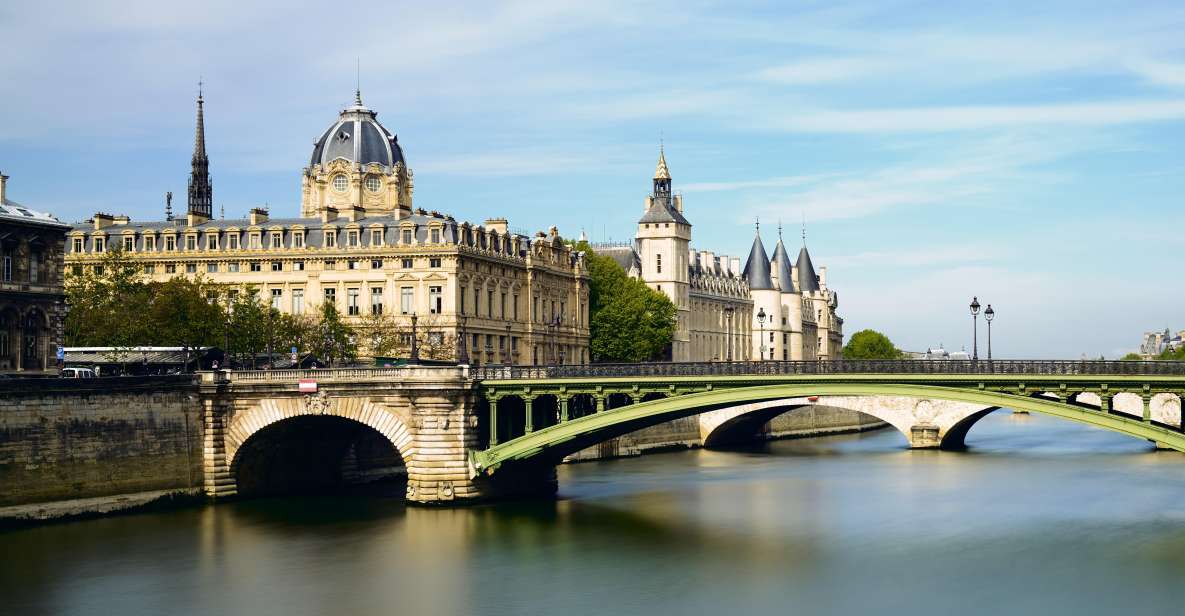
x=808 y=281
x=661 y=212
x=780 y=265
x=11 y=210
x=625 y=256
x=756 y=271
x=357 y=137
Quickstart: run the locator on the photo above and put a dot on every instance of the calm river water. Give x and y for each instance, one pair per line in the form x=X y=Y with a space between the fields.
x=1039 y=517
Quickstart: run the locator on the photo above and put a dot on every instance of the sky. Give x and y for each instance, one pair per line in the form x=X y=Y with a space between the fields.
x=1032 y=156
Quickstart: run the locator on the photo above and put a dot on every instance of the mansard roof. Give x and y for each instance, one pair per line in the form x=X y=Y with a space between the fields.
x=756 y=271
x=780 y=265
x=808 y=281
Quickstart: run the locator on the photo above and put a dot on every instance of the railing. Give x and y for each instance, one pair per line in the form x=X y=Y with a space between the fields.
x=328 y=374
x=789 y=368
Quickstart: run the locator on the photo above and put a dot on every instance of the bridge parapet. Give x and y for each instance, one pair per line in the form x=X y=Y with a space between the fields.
x=341 y=375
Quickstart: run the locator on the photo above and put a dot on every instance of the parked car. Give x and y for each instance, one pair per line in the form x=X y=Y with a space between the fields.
x=78 y=373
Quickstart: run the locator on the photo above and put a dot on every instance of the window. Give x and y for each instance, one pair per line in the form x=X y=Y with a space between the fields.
x=373 y=184
x=503 y=315
x=490 y=303
x=298 y=239
x=254 y=241
x=277 y=239
x=352 y=265
x=376 y=300
x=434 y=262
x=406 y=264
x=256 y=266
x=297 y=301
x=232 y=241
x=658 y=262
x=77 y=270
x=129 y=243
x=352 y=239
x=277 y=266
x=211 y=242
x=298 y=266
x=150 y=269
x=170 y=243
x=232 y=267
x=191 y=242
x=78 y=244
x=277 y=297
x=771 y=337
x=329 y=264
x=191 y=268
x=331 y=296
x=331 y=238
x=406 y=300
x=149 y=242
x=461 y=297
x=405 y=236
x=515 y=306
x=376 y=264
x=99 y=270
x=435 y=301
x=339 y=183
x=376 y=237
x=99 y=244
x=436 y=236
x=211 y=268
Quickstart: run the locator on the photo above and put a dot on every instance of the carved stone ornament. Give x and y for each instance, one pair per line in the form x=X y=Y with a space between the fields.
x=316 y=404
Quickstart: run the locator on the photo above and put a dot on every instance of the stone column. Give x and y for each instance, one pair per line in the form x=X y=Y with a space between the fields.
x=1147 y=398
x=493 y=421
x=529 y=415
x=218 y=482
x=563 y=400
x=600 y=402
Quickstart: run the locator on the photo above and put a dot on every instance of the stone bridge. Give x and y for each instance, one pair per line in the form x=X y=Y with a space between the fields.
x=461 y=433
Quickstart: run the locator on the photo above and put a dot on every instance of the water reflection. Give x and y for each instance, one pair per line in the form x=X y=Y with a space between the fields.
x=1037 y=515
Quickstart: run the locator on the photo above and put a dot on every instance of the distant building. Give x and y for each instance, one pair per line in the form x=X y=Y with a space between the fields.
x=360 y=245
x=772 y=309
x=1155 y=343
x=32 y=296
x=939 y=353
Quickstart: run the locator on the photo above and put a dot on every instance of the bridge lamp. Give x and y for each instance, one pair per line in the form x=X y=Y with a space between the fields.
x=975 y=328
x=761 y=326
x=988 y=315
x=415 y=346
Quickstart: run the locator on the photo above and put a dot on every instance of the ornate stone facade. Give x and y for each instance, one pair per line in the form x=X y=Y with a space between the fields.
x=32 y=298
x=360 y=244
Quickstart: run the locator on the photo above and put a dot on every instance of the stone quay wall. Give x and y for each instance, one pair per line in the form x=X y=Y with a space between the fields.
x=72 y=439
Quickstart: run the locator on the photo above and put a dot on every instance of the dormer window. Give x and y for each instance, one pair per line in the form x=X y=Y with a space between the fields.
x=436 y=236
x=277 y=239
x=191 y=242
x=331 y=238
x=129 y=243
x=352 y=239
x=99 y=244
x=211 y=242
x=232 y=241
x=78 y=244
x=298 y=239
x=406 y=236
x=255 y=241
x=149 y=242
x=376 y=237
x=170 y=243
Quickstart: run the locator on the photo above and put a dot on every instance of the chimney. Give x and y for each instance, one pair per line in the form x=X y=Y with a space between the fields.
x=497 y=224
x=709 y=260
x=3 y=185
x=734 y=266
x=258 y=215
x=328 y=214
x=354 y=213
x=679 y=203
x=823 y=277
x=195 y=218
x=122 y=220
x=103 y=220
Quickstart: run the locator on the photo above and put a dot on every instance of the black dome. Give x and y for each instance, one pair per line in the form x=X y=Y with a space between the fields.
x=357 y=137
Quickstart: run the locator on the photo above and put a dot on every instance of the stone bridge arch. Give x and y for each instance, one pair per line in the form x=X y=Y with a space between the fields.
x=271 y=411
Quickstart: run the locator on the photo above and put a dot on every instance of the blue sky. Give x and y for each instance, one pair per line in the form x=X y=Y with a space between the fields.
x=1033 y=156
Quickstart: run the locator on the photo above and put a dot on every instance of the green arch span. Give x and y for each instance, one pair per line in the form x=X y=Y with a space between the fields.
x=565 y=438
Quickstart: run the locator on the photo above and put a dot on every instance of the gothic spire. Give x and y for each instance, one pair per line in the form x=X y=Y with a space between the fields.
x=201 y=193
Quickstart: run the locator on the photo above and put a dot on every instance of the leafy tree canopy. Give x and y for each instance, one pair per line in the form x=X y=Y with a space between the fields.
x=871 y=344
x=628 y=321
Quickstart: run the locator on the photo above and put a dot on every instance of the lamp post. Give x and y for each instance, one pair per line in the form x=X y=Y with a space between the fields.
x=975 y=329
x=988 y=315
x=415 y=345
x=728 y=310
x=506 y=349
x=761 y=325
x=462 y=351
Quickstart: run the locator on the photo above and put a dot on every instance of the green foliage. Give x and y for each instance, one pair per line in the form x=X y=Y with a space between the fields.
x=629 y=322
x=1132 y=357
x=1171 y=355
x=107 y=304
x=333 y=338
x=871 y=344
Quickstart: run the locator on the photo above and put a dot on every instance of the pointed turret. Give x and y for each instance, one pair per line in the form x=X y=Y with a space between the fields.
x=808 y=282
x=756 y=271
x=780 y=266
x=201 y=193
x=661 y=172
x=662 y=207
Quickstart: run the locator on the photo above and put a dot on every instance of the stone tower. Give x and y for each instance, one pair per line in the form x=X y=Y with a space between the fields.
x=662 y=243
x=201 y=192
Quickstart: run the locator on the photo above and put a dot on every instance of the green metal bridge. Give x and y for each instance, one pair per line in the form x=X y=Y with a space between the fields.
x=542 y=414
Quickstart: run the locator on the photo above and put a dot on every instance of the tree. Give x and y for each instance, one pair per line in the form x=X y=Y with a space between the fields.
x=871 y=344
x=107 y=304
x=334 y=338
x=185 y=312
x=1132 y=357
x=628 y=321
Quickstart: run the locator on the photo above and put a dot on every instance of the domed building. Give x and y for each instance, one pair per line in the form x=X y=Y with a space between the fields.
x=480 y=293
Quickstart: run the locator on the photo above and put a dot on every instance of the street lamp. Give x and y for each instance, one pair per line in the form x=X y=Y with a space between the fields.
x=988 y=315
x=415 y=346
x=975 y=328
x=761 y=325
x=728 y=310
x=506 y=348
x=462 y=351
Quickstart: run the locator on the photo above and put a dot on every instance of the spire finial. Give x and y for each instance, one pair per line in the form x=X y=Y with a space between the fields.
x=804 y=228
x=757 y=221
x=358 y=82
x=199 y=89
x=779 y=229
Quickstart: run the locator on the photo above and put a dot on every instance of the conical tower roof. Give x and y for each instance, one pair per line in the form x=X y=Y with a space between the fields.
x=661 y=172
x=780 y=265
x=756 y=271
x=808 y=281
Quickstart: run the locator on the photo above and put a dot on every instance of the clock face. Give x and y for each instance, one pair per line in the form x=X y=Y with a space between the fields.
x=340 y=183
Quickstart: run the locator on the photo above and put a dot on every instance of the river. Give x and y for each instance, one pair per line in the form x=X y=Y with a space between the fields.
x=1040 y=516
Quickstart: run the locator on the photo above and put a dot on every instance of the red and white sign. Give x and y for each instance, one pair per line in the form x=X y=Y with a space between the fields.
x=308 y=386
